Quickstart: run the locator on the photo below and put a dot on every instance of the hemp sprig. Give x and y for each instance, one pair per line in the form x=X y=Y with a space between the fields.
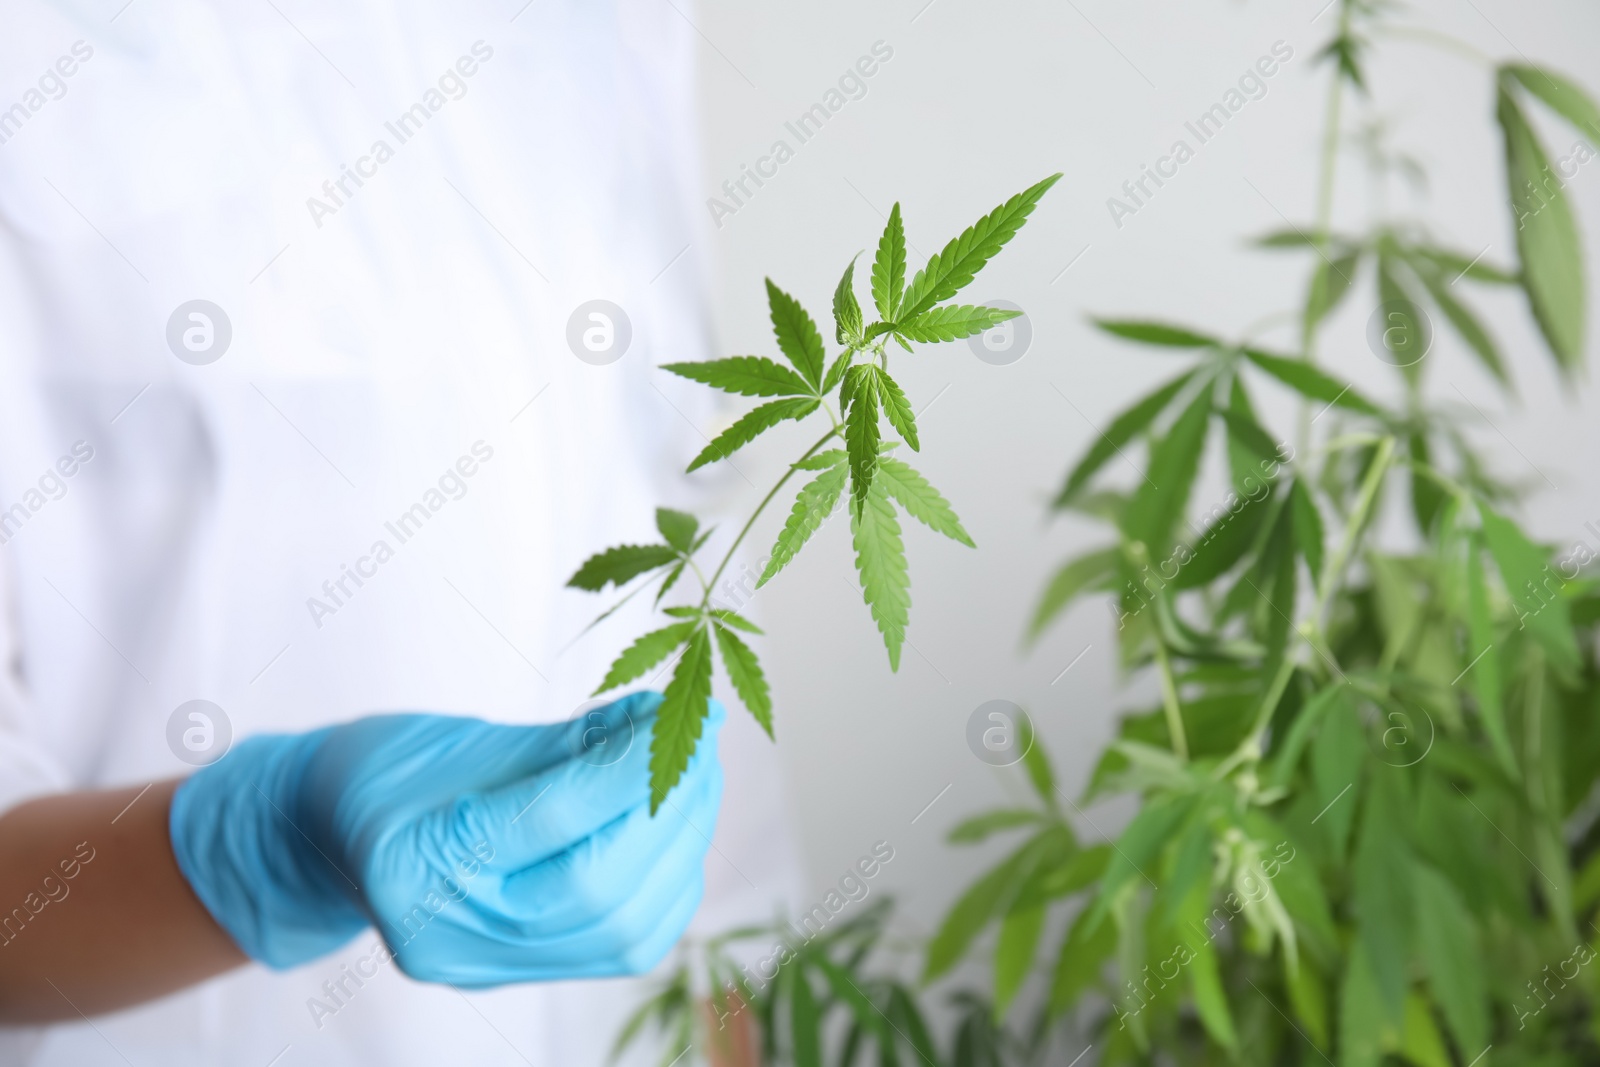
x=880 y=484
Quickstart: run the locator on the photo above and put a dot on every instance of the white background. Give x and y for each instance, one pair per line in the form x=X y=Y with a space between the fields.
x=979 y=101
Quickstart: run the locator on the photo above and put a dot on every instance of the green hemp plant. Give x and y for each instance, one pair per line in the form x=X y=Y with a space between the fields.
x=858 y=380
x=1368 y=800
x=820 y=983
x=1366 y=825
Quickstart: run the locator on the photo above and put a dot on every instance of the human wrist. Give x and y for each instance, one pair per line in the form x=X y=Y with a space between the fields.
x=238 y=833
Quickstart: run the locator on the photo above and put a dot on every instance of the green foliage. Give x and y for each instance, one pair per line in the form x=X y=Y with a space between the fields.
x=678 y=719
x=954 y=322
x=857 y=394
x=1547 y=234
x=1155 y=333
x=1159 y=501
x=1312 y=383
x=620 y=565
x=1355 y=839
x=920 y=500
x=858 y=399
x=953 y=267
x=751 y=425
x=744 y=376
x=645 y=653
x=745 y=672
x=812 y=506
x=846 y=309
x=1118 y=434
x=1364 y=828
x=815 y=997
x=881 y=563
x=1092 y=571
x=889 y=268
x=981 y=827
x=797 y=334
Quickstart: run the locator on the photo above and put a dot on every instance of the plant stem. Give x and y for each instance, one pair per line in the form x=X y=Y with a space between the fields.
x=1280 y=682
x=1324 y=218
x=699 y=574
x=756 y=514
x=1169 y=703
x=1308 y=630
x=1533 y=734
x=1353 y=529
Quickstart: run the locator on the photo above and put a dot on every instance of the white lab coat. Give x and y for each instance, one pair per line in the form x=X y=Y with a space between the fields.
x=372 y=346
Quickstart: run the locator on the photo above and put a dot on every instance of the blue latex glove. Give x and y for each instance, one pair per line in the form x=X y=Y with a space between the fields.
x=482 y=853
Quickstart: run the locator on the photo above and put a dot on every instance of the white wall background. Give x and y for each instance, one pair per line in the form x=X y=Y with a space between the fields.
x=978 y=101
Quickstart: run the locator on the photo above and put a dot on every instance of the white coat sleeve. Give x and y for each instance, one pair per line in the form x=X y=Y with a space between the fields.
x=26 y=768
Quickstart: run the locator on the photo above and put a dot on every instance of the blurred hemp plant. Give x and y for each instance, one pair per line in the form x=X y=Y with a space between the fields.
x=1367 y=824
x=812 y=994
x=809 y=383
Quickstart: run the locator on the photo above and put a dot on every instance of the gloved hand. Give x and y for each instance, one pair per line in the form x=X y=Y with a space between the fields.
x=482 y=853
